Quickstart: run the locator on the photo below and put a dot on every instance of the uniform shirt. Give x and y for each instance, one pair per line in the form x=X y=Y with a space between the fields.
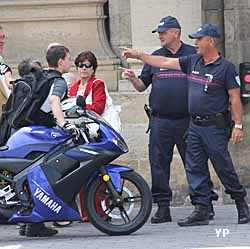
x=208 y=84
x=58 y=88
x=169 y=93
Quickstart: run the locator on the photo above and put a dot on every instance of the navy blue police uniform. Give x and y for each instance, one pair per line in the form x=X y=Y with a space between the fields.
x=208 y=101
x=169 y=122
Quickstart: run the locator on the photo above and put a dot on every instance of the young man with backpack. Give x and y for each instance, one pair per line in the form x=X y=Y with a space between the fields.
x=50 y=92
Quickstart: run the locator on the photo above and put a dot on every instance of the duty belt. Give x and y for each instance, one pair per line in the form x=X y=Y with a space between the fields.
x=165 y=116
x=204 y=120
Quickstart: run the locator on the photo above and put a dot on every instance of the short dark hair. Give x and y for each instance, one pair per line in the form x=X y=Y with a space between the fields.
x=37 y=63
x=26 y=66
x=87 y=55
x=55 y=53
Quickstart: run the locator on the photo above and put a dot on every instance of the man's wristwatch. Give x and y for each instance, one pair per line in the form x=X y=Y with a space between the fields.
x=238 y=126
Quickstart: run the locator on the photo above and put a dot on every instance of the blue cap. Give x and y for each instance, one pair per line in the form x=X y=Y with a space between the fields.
x=166 y=23
x=206 y=30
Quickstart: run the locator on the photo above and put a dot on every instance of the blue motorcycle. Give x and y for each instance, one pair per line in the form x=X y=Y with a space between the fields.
x=43 y=169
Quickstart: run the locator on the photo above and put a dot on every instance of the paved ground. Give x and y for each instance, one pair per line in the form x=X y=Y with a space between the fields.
x=161 y=236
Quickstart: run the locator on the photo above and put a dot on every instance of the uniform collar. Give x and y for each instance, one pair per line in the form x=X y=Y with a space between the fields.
x=177 y=52
x=216 y=62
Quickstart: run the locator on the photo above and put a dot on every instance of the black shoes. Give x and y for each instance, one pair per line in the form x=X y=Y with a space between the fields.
x=211 y=212
x=243 y=211
x=22 y=229
x=197 y=218
x=36 y=230
x=162 y=215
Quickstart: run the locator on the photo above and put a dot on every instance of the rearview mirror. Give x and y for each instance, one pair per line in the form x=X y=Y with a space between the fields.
x=80 y=101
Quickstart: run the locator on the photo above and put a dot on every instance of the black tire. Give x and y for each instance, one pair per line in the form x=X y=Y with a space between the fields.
x=137 y=190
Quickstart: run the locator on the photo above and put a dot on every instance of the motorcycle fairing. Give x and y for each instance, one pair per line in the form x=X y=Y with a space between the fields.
x=47 y=206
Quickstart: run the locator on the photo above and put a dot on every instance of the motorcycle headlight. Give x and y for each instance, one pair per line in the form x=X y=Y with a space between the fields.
x=119 y=143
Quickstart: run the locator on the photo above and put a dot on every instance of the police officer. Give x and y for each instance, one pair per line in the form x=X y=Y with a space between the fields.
x=170 y=119
x=212 y=80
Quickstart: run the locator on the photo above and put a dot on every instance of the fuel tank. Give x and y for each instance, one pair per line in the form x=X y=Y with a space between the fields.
x=33 y=139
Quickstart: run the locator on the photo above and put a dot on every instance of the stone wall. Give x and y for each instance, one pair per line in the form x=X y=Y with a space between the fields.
x=145 y=16
x=30 y=25
x=237 y=44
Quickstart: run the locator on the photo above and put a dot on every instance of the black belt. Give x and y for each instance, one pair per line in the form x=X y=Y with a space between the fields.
x=204 y=120
x=165 y=116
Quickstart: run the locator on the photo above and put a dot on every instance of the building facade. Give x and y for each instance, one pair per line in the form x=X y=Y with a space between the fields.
x=103 y=26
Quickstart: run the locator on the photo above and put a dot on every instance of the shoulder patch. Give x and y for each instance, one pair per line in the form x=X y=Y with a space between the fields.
x=237 y=78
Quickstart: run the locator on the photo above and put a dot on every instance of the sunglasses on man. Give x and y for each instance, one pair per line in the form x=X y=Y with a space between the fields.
x=86 y=65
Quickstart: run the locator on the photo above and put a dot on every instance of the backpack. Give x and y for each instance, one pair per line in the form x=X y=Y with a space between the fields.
x=5 y=128
x=23 y=105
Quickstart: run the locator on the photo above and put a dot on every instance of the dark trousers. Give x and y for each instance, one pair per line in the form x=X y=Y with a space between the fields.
x=210 y=142
x=164 y=135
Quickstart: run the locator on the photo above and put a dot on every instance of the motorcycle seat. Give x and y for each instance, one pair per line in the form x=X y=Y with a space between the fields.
x=14 y=165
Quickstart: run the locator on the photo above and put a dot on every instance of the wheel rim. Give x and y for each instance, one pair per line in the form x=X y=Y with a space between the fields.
x=128 y=210
x=131 y=204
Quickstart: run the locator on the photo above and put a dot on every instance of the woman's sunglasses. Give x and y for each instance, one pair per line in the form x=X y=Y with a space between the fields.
x=86 y=65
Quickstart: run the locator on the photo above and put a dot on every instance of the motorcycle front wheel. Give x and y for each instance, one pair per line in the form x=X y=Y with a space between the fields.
x=125 y=218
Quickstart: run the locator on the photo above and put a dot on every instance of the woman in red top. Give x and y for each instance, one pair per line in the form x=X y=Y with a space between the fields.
x=95 y=96
x=91 y=88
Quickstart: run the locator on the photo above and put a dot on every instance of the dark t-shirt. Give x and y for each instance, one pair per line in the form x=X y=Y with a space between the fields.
x=169 y=93
x=209 y=84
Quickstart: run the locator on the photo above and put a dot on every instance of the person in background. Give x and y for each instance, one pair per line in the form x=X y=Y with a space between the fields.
x=70 y=78
x=96 y=97
x=5 y=88
x=2 y=38
x=93 y=89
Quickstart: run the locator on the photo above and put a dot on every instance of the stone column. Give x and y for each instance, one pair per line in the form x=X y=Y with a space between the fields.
x=237 y=43
x=213 y=12
x=120 y=25
x=237 y=30
x=31 y=25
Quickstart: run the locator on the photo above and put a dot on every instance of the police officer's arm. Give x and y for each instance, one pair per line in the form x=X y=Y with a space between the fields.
x=130 y=75
x=237 y=134
x=55 y=104
x=156 y=61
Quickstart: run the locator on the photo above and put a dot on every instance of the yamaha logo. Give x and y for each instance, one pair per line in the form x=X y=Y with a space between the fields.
x=47 y=201
x=53 y=134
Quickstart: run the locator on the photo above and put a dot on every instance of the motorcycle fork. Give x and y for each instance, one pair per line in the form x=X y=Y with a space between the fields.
x=116 y=198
